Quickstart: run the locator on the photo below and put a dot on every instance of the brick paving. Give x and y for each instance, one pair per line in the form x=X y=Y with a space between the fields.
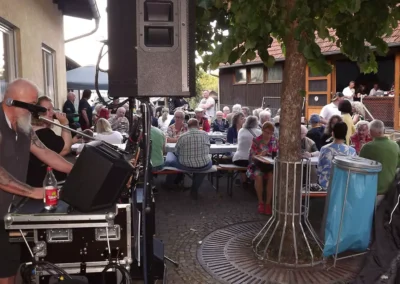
x=182 y=224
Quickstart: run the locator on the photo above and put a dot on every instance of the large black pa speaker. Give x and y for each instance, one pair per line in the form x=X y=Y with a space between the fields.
x=97 y=178
x=151 y=48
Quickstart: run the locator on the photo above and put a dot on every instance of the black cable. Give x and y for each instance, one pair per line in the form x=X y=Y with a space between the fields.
x=126 y=277
x=26 y=270
x=96 y=80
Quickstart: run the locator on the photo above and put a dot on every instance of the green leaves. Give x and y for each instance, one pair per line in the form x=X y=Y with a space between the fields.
x=251 y=22
x=250 y=44
x=270 y=61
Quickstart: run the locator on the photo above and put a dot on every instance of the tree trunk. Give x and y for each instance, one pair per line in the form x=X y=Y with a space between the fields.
x=288 y=244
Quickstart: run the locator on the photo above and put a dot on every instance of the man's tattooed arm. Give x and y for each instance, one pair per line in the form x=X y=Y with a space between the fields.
x=36 y=141
x=12 y=185
x=47 y=156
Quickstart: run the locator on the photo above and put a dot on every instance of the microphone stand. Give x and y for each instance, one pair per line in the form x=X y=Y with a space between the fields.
x=81 y=134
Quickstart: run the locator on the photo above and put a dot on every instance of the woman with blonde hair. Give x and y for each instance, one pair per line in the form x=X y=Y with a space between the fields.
x=105 y=132
x=358 y=112
x=60 y=144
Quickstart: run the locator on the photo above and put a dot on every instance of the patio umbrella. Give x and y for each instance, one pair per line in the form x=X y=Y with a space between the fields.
x=83 y=78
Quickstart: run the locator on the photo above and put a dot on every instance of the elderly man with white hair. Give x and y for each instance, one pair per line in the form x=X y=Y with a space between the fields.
x=384 y=151
x=119 y=122
x=264 y=117
x=235 y=109
x=219 y=124
x=226 y=111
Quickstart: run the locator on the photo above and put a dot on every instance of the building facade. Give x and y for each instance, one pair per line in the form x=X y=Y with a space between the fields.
x=32 y=43
x=255 y=85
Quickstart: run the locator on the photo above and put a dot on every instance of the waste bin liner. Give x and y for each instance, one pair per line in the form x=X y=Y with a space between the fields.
x=350 y=205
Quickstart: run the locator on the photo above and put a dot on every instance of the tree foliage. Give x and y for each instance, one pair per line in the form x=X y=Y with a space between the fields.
x=243 y=28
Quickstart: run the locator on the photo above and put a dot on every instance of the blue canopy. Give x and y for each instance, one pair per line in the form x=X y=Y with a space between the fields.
x=83 y=78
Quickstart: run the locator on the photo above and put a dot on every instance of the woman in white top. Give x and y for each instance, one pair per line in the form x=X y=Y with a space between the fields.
x=105 y=132
x=246 y=135
x=164 y=120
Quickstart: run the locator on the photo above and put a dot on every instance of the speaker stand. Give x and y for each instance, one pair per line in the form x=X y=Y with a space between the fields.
x=171 y=261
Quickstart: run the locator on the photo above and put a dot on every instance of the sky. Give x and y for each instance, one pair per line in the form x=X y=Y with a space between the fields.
x=86 y=50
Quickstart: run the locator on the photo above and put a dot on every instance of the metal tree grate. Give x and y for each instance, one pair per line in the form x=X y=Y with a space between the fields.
x=289 y=230
x=227 y=255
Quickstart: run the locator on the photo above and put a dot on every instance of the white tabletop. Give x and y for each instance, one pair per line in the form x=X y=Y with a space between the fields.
x=75 y=146
x=221 y=135
x=214 y=148
x=269 y=160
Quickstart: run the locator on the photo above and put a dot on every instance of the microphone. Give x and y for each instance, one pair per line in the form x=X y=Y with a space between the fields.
x=30 y=107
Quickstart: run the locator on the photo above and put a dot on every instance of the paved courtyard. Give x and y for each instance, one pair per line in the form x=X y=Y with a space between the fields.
x=182 y=224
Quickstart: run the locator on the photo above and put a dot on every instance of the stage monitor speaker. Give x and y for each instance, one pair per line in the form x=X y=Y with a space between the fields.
x=151 y=48
x=97 y=178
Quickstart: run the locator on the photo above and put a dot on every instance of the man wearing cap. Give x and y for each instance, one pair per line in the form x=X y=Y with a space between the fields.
x=203 y=122
x=331 y=109
x=316 y=131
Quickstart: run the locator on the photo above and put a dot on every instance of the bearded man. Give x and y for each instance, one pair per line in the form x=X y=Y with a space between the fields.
x=17 y=141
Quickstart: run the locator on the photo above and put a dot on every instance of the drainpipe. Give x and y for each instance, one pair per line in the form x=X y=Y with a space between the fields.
x=95 y=10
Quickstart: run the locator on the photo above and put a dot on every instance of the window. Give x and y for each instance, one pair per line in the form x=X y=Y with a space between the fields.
x=49 y=73
x=240 y=75
x=8 y=62
x=275 y=73
x=257 y=74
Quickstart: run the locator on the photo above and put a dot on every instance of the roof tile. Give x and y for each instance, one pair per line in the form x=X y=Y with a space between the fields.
x=325 y=45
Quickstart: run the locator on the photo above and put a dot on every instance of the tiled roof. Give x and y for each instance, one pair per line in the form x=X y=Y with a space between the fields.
x=327 y=47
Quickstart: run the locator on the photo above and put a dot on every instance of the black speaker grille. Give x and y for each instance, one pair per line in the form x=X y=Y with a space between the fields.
x=97 y=178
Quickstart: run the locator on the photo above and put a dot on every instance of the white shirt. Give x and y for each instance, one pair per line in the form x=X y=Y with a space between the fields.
x=163 y=125
x=113 y=138
x=348 y=93
x=329 y=110
x=210 y=112
x=245 y=138
x=373 y=92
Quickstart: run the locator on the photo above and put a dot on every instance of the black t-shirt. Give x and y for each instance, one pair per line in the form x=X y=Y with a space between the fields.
x=83 y=104
x=315 y=134
x=69 y=108
x=37 y=169
x=154 y=121
x=324 y=138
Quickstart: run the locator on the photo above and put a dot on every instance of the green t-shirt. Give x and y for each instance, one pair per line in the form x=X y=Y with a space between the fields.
x=386 y=152
x=157 y=146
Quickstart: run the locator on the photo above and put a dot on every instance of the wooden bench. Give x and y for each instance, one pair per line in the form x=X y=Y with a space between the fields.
x=320 y=194
x=175 y=171
x=232 y=171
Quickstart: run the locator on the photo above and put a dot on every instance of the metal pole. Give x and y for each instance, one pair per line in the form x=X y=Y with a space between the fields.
x=67 y=128
x=82 y=134
x=147 y=206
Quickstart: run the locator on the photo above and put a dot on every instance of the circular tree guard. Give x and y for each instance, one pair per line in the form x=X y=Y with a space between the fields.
x=227 y=255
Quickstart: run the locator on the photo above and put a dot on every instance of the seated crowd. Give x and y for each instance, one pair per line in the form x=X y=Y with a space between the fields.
x=340 y=129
